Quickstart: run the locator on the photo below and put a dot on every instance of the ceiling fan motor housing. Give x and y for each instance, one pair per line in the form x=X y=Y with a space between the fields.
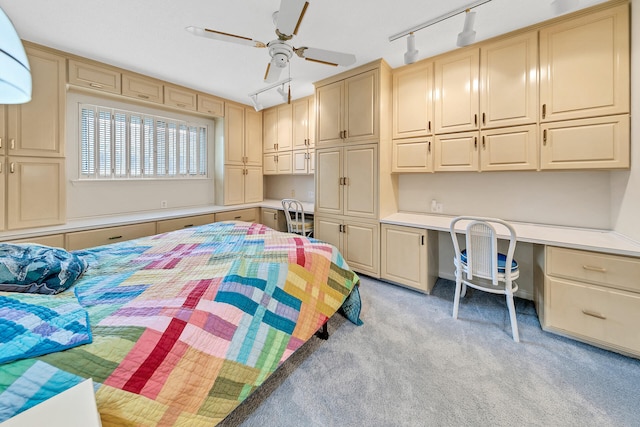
x=280 y=52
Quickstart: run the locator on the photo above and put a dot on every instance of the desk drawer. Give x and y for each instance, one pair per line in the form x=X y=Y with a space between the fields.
x=180 y=223
x=247 y=215
x=594 y=314
x=104 y=236
x=608 y=270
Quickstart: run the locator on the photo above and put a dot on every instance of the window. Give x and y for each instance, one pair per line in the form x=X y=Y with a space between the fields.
x=118 y=144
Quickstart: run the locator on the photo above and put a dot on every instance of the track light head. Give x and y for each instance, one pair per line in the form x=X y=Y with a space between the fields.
x=468 y=35
x=256 y=105
x=411 y=55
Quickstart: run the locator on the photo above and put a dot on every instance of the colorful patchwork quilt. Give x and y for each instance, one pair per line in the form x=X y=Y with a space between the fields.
x=187 y=324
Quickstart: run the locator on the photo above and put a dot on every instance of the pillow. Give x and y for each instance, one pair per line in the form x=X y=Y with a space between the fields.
x=33 y=325
x=38 y=269
x=352 y=305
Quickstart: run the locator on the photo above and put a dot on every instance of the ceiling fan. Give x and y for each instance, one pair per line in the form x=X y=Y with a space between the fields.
x=287 y=21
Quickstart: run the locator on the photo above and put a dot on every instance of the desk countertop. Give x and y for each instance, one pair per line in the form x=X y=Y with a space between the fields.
x=569 y=237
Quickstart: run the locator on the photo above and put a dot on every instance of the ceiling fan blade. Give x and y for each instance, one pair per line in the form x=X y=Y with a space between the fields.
x=290 y=16
x=225 y=37
x=273 y=72
x=328 y=57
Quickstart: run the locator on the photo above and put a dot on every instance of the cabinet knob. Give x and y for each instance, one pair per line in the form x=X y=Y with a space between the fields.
x=484 y=122
x=483 y=144
x=475 y=142
x=544 y=110
x=544 y=137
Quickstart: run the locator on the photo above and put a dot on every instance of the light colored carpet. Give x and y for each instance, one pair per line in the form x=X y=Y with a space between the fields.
x=412 y=364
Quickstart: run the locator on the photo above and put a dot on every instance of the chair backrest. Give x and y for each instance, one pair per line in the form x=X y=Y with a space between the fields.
x=294 y=211
x=482 y=246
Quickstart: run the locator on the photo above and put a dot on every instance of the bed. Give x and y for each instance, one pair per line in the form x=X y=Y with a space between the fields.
x=174 y=329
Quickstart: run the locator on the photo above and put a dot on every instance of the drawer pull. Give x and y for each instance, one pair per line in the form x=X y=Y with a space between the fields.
x=96 y=85
x=593 y=314
x=188 y=225
x=115 y=237
x=143 y=96
x=591 y=268
x=237 y=217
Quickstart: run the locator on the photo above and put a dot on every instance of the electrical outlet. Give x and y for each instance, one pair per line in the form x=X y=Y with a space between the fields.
x=434 y=206
x=310 y=195
x=439 y=208
x=293 y=193
x=163 y=204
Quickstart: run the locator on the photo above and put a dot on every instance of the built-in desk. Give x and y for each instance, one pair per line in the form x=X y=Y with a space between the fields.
x=273 y=213
x=586 y=281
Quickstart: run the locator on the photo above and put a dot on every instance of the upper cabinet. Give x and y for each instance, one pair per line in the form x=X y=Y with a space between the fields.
x=210 y=105
x=456 y=91
x=412 y=101
x=509 y=81
x=141 y=87
x=285 y=127
x=180 y=97
x=303 y=115
x=94 y=76
x=584 y=66
x=347 y=110
x=242 y=136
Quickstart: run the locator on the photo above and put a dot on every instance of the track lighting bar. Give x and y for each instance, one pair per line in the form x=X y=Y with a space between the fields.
x=287 y=80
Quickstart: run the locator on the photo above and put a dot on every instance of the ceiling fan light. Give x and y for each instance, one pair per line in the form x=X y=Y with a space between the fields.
x=468 y=35
x=560 y=7
x=411 y=55
x=15 y=74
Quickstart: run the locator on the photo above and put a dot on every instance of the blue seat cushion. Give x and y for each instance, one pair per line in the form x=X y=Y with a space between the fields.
x=502 y=260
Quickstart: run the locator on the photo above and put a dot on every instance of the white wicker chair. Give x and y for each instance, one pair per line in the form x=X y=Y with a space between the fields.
x=481 y=266
x=296 y=221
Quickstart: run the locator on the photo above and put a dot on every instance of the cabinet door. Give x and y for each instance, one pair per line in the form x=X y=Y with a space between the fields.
x=181 y=98
x=329 y=124
x=599 y=143
x=210 y=105
x=269 y=217
x=53 y=240
x=412 y=155
x=167 y=225
x=412 y=101
x=270 y=164
x=361 y=246
x=253 y=185
x=233 y=134
x=234 y=184
x=456 y=152
x=284 y=162
x=509 y=81
x=253 y=137
x=328 y=230
x=584 y=66
x=456 y=85
x=301 y=123
x=285 y=130
x=360 y=187
x=270 y=130
x=508 y=149
x=361 y=107
x=328 y=181
x=35 y=192
x=105 y=236
x=143 y=88
x=37 y=127
x=94 y=76
x=300 y=162
x=404 y=255
x=312 y=161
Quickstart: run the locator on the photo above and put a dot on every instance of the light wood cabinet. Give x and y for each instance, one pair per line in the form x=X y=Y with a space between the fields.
x=303 y=111
x=253 y=137
x=180 y=97
x=303 y=162
x=143 y=88
x=346 y=181
x=246 y=215
x=3 y=191
x=508 y=149
x=167 y=225
x=509 y=81
x=94 y=76
x=241 y=185
x=412 y=155
x=210 y=105
x=274 y=218
x=53 y=240
x=584 y=66
x=412 y=101
x=280 y=163
x=456 y=87
x=284 y=129
x=409 y=256
x=270 y=130
x=357 y=241
x=597 y=143
x=348 y=110
x=457 y=152
x=105 y=236
x=592 y=297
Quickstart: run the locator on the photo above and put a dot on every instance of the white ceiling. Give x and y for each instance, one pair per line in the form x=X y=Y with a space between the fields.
x=148 y=36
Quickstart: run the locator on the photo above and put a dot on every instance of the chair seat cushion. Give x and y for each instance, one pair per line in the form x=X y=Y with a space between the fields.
x=502 y=260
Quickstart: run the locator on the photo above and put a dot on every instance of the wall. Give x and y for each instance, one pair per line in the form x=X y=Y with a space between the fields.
x=92 y=199
x=301 y=187
x=625 y=186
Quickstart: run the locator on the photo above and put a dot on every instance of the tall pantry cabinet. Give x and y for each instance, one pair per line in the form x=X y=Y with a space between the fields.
x=32 y=169
x=354 y=185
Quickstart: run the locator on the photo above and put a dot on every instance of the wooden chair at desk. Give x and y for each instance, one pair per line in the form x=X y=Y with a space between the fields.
x=296 y=221
x=482 y=267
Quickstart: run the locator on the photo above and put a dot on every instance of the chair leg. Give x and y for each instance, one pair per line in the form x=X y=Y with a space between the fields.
x=456 y=298
x=512 y=315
